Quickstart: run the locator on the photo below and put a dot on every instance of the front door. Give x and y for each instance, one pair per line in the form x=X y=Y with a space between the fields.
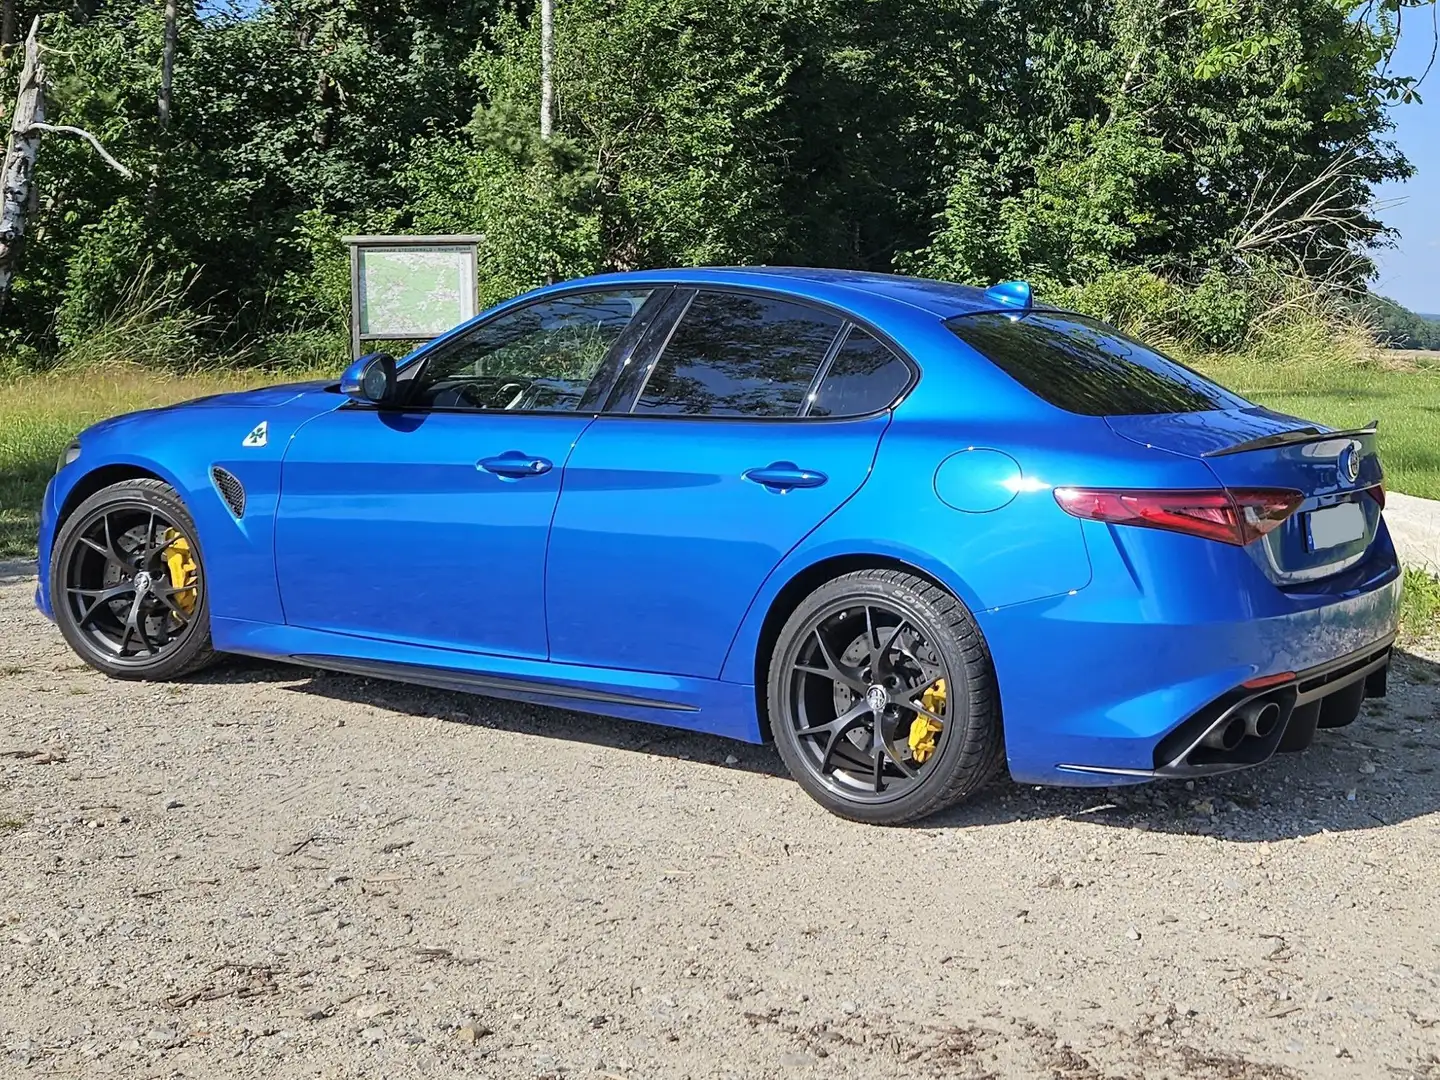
x=427 y=522
x=759 y=419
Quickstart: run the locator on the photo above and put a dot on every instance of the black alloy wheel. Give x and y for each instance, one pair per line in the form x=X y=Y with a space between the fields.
x=882 y=698
x=128 y=586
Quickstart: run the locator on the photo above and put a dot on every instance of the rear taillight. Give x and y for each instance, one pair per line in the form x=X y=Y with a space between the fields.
x=1378 y=494
x=1235 y=516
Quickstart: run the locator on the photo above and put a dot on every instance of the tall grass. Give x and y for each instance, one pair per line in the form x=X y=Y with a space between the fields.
x=151 y=326
x=1309 y=357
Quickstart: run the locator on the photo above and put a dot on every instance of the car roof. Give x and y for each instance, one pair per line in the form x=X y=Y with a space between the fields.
x=941 y=298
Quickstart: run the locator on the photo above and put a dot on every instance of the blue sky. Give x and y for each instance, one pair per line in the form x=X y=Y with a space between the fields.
x=1410 y=273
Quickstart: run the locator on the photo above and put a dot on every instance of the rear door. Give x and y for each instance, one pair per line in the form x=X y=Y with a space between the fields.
x=741 y=430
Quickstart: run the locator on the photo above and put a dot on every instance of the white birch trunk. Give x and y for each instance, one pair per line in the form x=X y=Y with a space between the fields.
x=547 y=63
x=20 y=160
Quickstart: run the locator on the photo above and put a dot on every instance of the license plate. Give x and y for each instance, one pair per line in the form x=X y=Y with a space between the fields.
x=1334 y=525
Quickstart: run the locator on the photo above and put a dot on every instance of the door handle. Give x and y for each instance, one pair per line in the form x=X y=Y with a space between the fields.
x=784 y=475
x=513 y=465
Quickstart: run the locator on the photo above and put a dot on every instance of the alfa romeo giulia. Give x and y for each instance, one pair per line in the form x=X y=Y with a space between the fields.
x=914 y=532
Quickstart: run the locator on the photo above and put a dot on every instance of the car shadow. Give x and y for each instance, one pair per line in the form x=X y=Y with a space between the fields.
x=500 y=715
x=1381 y=770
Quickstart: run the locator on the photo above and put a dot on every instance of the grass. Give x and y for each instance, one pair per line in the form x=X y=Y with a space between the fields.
x=40 y=414
x=1420 y=605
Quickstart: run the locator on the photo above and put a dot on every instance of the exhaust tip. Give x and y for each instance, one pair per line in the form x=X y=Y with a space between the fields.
x=1261 y=720
x=1228 y=735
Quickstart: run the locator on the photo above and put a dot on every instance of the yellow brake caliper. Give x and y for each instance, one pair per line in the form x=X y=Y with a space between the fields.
x=922 y=729
x=181 y=563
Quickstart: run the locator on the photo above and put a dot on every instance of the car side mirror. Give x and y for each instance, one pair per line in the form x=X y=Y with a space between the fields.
x=370 y=379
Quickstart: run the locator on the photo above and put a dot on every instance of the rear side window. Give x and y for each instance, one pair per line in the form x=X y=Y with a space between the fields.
x=864 y=377
x=1086 y=367
x=739 y=355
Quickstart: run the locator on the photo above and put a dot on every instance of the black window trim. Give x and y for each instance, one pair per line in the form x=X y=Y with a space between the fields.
x=625 y=404
x=823 y=371
x=607 y=369
x=657 y=345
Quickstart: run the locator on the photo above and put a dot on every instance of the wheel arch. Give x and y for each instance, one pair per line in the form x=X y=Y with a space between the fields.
x=98 y=479
x=801 y=584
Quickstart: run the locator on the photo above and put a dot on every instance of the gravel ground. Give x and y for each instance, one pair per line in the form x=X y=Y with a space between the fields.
x=270 y=872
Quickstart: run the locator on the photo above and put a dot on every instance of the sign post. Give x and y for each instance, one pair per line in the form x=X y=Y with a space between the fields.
x=410 y=288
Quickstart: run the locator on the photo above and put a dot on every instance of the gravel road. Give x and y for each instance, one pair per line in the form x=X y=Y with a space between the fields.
x=271 y=872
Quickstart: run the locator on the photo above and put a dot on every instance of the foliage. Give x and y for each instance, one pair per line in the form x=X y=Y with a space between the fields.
x=1183 y=150
x=1398 y=327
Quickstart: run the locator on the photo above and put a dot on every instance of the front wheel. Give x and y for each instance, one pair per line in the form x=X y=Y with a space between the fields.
x=127 y=583
x=882 y=698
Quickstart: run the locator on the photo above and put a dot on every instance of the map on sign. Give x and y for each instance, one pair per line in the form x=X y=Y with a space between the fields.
x=415 y=292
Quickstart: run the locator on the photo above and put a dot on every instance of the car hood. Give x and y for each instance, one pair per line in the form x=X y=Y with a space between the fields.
x=264 y=397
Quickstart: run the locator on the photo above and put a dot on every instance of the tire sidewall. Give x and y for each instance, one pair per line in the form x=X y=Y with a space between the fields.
x=141 y=493
x=838 y=594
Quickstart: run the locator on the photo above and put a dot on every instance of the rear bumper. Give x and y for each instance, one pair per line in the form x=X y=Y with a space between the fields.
x=1183 y=753
x=1101 y=687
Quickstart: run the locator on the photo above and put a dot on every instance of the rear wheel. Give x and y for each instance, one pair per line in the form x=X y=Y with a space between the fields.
x=128 y=585
x=882 y=698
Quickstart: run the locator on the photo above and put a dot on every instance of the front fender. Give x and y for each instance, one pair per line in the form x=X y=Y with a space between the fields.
x=180 y=447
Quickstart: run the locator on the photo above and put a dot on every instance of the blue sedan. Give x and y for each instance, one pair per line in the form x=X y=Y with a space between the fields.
x=913 y=532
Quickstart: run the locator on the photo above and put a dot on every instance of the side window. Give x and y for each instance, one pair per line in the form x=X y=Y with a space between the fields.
x=864 y=377
x=739 y=355
x=539 y=357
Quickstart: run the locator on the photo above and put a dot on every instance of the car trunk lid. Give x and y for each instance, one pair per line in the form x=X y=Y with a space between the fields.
x=1253 y=447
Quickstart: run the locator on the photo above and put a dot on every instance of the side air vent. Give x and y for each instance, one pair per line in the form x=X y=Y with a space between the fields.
x=230 y=488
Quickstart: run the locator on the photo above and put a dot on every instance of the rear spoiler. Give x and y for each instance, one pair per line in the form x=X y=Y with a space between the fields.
x=1292 y=438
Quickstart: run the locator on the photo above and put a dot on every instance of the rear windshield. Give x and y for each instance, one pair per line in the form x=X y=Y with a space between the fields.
x=1086 y=367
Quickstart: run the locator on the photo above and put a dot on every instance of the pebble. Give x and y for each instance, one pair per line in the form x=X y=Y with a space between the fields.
x=173 y=804
x=731 y=759
x=372 y=1034
x=1367 y=767
x=471 y=1030
x=792 y=1060
x=1133 y=934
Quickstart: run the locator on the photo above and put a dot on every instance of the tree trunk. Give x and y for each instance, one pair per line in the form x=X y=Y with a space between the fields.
x=7 y=26
x=20 y=160
x=167 y=64
x=547 y=63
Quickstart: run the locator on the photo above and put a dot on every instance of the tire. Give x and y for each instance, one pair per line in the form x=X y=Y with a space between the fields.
x=163 y=646
x=970 y=749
